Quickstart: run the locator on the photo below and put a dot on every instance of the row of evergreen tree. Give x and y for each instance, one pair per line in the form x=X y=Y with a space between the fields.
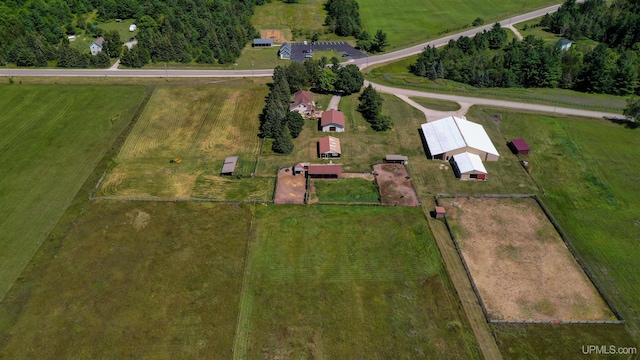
x=32 y=32
x=371 y=109
x=344 y=19
x=531 y=63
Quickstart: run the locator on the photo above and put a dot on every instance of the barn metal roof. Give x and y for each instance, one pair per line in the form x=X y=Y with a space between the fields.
x=229 y=165
x=453 y=133
x=262 y=41
x=330 y=144
x=468 y=162
x=396 y=158
x=520 y=144
x=330 y=117
x=325 y=169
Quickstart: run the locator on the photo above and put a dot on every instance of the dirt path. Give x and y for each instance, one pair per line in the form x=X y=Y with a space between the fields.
x=333 y=104
x=515 y=31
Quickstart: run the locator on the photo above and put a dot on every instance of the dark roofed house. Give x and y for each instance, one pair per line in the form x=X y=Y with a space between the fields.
x=396 y=159
x=332 y=120
x=324 y=170
x=262 y=42
x=564 y=44
x=229 y=166
x=519 y=146
x=302 y=103
x=285 y=51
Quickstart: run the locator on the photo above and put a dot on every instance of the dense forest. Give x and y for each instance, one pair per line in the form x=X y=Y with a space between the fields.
x=33 y=32
x=488 y=61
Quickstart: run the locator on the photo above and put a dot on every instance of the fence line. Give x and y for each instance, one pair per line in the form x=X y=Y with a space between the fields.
x=147 y=199
x=255 y=168
x=585 y=269
x=93 y=192
x=413 y=185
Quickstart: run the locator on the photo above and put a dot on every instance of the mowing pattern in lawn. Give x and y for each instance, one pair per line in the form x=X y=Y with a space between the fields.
x=202 y=126
x=348 y=282
x=132 y=280
x=51 y=138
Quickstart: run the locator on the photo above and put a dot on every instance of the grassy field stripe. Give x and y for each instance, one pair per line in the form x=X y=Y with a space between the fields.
x=197 y=136
x=34 y=118
x=243 y=326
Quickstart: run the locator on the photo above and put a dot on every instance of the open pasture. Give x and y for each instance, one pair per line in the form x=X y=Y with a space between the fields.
x=410 y=22
x=132 y=280
x=348 y=282
x=51 y=138
x=201 y=125
x=519 y=263
x=348 y=190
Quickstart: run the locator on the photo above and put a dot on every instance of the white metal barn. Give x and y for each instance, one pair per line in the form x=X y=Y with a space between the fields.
x=468 y=166
x=455 y=135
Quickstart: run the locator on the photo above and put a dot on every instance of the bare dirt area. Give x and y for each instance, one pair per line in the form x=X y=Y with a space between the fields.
x=276 y=35
x=291 y=188
x=366 y=176
x=520 y=265
x=395 y=185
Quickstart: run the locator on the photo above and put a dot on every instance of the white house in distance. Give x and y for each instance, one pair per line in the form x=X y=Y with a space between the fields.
x=303 y=103
x=455 y=135
x=96 y=47
x=285 y=51
x=332 y=121
x=468 y=166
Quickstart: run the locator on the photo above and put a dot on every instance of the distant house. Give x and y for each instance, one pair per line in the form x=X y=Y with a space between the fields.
x=324 y=170
x=71 y=38
x=329 y=147
x=262 y=42
x=332 y=121
x=468 y=166
x=96 y=47
x=302 y=103
x=396 y=159
x=229 y=165
x=564 y=44
x=454 y=135
x=132 y=27
x=519 y=146
x=285 y=51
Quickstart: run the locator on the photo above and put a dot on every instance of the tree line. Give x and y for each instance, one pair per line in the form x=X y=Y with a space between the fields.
x=488 y=61
x=371 y=109
x=34 y=32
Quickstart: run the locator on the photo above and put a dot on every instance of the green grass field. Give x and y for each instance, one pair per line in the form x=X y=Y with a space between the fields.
x=202 y=125
x=319 y=288
x=51 y=138
x=122 y=28
x=132 y=280
x=411 y=22
x=347 y=190
x=585 y=168
x=440 y=105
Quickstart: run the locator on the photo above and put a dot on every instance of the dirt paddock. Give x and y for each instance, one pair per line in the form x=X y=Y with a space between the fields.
x=290 y=188
x=276 y=35
x=520 y=265
x=395 y=186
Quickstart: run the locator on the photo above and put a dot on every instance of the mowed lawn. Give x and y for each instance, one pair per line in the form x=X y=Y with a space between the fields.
x=348 y=282
x=133 y=280
x=201 y=125
x=409 y=22
x=51 y=138
x=586 y=169
x=347 y=190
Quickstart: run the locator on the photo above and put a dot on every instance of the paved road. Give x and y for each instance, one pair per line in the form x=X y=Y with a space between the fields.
x=362 y=63
x=493 y=102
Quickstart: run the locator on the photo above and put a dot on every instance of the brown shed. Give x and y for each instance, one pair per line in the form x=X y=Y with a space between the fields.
x=519 y=146
x=440 y=212
x=324 y=170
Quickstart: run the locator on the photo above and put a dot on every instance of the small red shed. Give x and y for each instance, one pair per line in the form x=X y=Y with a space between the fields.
x=520 y=146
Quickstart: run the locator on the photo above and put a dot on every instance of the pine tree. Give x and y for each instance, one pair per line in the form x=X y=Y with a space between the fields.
x=295 y=123
x=283 y=143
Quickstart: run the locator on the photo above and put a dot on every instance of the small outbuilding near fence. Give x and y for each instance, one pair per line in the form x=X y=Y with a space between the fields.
x=262 y=42
x=519 y=146
x=396 y=159
x=229 y=166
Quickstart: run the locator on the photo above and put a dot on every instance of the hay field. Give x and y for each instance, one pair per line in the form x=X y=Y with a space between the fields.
x=132 y=280
x=51 y=139
x=519 y=263
x=202 y=125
